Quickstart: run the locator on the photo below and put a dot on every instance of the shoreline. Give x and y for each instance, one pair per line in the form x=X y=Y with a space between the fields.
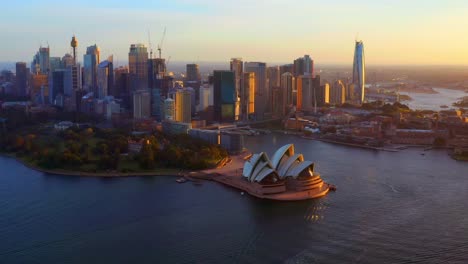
x=61 y=172
x=351 y=144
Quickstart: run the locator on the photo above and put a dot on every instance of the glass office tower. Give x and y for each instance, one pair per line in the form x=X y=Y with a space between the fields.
x=359 y=71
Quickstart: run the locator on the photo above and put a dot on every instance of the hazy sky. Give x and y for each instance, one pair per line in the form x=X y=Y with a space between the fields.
x=393 y=31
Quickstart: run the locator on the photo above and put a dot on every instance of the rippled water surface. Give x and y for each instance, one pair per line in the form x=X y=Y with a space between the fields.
x=389 y=208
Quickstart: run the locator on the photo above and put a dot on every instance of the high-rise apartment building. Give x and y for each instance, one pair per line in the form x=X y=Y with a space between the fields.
x=262 y=94
x=359 y=71
x=91 y=61
x=138 y=67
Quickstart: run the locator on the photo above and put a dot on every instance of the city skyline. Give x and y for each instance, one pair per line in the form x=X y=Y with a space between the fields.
x=395 y=32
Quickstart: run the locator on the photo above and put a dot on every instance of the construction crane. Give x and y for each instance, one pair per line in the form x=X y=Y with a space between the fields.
x=149 y=45
x=167 y=61
x=161 y=43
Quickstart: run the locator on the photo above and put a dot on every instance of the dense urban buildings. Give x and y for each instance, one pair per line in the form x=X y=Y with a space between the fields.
x=145 y=90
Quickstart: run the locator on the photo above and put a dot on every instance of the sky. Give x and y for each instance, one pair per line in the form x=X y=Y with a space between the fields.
x=395 y=32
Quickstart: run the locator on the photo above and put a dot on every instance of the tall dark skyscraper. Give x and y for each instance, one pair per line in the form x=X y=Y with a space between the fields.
x=121 y=87
x=138 y=67
x=224 y=95
x=359 y=71
x=193 y=73
x=21 y=79
x=57 y=86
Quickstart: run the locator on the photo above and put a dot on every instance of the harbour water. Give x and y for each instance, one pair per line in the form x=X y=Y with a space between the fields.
x=389 y=208
x=434 y=101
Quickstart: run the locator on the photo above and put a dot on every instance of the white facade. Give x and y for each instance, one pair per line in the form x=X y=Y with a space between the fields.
x=285 y=163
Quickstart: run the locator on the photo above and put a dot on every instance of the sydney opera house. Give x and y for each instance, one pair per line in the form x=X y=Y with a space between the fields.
x=286 y=173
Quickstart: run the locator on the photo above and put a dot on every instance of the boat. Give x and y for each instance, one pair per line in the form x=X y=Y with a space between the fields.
x=444 y=106
x=181 y=180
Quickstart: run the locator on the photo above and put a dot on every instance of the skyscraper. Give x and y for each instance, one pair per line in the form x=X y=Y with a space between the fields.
x=224 y=96
x=56 y=86
x=40 y=63
x=262 y=95
x=273 y=74
x=55 y=64
x=156 y=73
x=359 y=71
x=338 y=93
x=138 y=67
x=141 y=104
x=288 y=86
x=105 y=78
x=248 y=95
x=169 y=111
x=121 y=87
x=91 y=61
x=183 y=105
x=303 y=66
x=67 y=60
x=309 y=94
x=44 y=60
x=237 y=66
x=308 y=65
x=193 y=73
x=72 y=87
x=21 y=79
